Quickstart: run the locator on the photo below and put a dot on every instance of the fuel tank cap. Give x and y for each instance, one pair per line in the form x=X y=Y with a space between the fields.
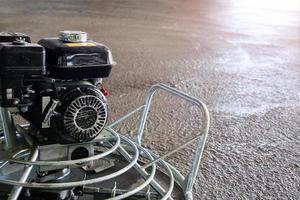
x=72 y=36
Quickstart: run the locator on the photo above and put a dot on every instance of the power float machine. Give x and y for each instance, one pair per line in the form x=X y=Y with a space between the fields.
x=55 y=142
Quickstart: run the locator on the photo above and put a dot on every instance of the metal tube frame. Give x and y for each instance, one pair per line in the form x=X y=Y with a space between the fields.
x=186 y=183
x=8 y=129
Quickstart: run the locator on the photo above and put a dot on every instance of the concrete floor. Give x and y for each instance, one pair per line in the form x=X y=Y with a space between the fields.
x=240 y=57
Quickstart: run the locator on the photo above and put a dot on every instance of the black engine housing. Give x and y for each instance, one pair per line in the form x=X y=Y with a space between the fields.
x=54 y=85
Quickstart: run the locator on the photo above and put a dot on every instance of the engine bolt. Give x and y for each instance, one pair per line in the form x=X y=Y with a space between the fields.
x=16 y=101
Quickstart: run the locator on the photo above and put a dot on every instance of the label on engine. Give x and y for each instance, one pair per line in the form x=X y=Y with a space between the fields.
x=81 y=44
x=45 y=102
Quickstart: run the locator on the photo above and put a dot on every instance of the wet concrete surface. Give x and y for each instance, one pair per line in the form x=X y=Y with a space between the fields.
x=240 y=57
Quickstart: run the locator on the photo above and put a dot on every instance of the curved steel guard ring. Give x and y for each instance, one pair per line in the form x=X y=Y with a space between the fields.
x=84 y=182
x=72 y=162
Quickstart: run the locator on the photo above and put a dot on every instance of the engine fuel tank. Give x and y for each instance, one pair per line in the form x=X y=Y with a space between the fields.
x=77 y=60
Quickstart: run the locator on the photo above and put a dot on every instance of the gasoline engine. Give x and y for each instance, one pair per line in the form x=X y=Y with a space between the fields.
x=56 y=85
